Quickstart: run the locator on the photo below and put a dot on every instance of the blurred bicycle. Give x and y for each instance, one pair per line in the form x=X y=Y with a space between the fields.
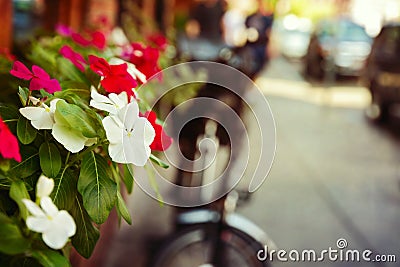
x=212 y=235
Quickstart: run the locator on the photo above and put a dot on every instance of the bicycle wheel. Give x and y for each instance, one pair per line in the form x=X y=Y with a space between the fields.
x=193 y=247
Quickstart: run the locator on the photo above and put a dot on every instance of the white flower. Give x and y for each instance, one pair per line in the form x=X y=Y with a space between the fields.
x=56 y=226
x=44 y=186
x=132 y=70
x=129 y=135
x=41 y=117
x=112 y=104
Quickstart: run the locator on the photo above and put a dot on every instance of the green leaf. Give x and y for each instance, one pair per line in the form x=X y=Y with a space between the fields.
x=76 y=95
x=70 y=71
x=25 y=131
x=73 y=116
x=64 y=190
x=11 y=240
x=159 y=162
x=50 y=258
x=8 y=112
x=23 y=94
x=42 y=56
x=44 y=94
x=29 y=165
x=86 y=235
x=122 y=209
x=98 y=191
x=127 y=177
x=18 y=192
x=50 y=159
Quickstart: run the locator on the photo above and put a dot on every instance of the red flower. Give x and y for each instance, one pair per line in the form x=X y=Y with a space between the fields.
x=76 y=58
x=116 y=77
x=39 y=78
x=158 y=41
x=96 y=39
x=9 y=147
x=145 y=59
x=162 y=141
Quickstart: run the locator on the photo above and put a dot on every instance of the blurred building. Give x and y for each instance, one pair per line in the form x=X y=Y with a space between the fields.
x=374 y=13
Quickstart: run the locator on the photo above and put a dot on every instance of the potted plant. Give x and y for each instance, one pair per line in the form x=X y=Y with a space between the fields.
x=69 y=141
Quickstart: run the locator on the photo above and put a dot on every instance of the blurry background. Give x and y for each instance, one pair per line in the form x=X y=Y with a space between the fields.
x=334 y=98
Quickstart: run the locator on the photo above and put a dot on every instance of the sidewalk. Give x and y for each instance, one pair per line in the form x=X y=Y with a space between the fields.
x=334 y=176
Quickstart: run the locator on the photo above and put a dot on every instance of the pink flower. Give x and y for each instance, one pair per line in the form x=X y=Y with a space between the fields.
x=38 y=77
x=96 y=39
x=161 y=141
x=63 y=30
x=9 y=147
x=76 y=58
x=116 y=78
x=80 y=40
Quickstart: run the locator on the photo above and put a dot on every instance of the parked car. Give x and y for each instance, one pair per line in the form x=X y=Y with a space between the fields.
x=382 y=72
x=339 y=46
x=292 y=35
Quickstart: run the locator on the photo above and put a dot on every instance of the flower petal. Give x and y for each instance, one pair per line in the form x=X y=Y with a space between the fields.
x=48 y=207
x=102 y=102
x=129 y=115
x=44 y=186
x=40 y=117
x=19 y=70
x=33 y=208
x=40 y=73
x=77 y=59
x=38 y=224
x=137 y=144
x=53 y=105
x=98 y=40
x=9 y=147
x=65 y=221
x=52 y=86
x=63 y=30
x=55 y=237
x=132 y=70
x=114 y=129
x=120 y=100
x=34 y=100
x=117 y=153
x=72 y=140
x=36 y=84
x=99 y=65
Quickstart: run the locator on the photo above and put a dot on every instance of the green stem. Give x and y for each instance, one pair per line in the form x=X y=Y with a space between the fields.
x=83 y=153
x=11 y=120
x=115 y=172
x=28 y=100
x=67 y=158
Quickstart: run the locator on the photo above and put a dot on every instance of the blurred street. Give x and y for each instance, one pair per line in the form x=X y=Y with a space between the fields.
x=335 y=175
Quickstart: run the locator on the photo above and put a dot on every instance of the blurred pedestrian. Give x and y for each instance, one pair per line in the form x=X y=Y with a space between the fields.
x=259 y=26
x=205 y=20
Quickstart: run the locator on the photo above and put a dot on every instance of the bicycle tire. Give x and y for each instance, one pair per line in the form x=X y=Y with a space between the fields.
x=191 y=247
